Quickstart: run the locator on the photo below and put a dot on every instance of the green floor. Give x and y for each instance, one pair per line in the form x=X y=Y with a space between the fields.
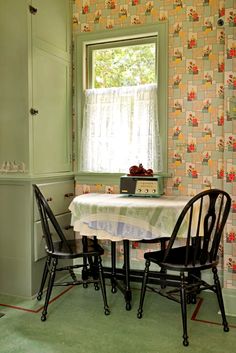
x=76 y=323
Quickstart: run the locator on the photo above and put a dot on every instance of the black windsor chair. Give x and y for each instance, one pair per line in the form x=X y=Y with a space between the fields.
x=62 y=249
x=203 y=219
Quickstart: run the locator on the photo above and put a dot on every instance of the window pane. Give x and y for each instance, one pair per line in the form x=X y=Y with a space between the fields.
x=124 y=66
x=120 y=129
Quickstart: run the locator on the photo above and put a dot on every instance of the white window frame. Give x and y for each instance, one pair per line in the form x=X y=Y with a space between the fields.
x=82 y=40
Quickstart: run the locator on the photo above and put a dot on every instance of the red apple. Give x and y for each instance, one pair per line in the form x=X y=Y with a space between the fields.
x=149 y=172
x=134 y=170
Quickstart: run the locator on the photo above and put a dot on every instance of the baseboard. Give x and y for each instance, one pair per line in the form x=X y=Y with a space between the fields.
x=229 y=296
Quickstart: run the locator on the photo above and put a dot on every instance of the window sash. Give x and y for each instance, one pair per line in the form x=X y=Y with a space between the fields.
x=120 y=129
x=90 y=48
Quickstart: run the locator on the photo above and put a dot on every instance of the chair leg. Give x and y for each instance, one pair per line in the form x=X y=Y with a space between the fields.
x=102 y=284
x=163 y=271
x=85 y=274
x=95 y=272
x=193 y=277
x=143 y=289
x=52 y=274
x=44 y=277
x=183 y=300
x=72 y=274
x=220 y=299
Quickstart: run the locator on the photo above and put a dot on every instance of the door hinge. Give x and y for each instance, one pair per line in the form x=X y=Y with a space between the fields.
x=33 y=111
x=32 y=10
x=71 y=49
x=72 y=157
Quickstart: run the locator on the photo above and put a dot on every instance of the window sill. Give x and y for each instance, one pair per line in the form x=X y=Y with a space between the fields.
x=99 y=178
x=105 y=178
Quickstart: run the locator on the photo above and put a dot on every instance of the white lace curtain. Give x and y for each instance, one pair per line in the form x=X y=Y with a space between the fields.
x=120 y=129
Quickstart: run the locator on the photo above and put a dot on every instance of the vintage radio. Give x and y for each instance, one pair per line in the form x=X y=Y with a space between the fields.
x=141 y=185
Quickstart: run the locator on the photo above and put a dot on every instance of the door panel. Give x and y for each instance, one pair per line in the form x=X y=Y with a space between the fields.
x=52 y=124
x=52 y=26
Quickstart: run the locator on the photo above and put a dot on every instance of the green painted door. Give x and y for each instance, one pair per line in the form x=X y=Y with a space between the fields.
x=51 y=77
x=13 y=85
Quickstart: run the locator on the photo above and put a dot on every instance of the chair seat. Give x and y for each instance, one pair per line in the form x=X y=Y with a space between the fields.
x=176 y=260
x=77 y=249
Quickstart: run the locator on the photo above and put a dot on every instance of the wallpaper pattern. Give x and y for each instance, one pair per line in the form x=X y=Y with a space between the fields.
x=202 y=84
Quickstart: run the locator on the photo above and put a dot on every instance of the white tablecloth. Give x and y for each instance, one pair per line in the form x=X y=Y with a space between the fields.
x=117 y=217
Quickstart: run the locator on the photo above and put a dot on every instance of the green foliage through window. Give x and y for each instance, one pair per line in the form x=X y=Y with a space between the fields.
x=124 y=66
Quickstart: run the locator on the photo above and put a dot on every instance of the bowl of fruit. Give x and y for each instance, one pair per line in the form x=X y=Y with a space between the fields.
x=139 y=170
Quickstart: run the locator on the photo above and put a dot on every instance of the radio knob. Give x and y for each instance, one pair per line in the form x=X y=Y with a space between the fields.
x=139 y=190
x=146 y=190
x=154 y=190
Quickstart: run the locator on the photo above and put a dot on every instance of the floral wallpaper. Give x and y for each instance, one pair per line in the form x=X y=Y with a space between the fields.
x=202 y=93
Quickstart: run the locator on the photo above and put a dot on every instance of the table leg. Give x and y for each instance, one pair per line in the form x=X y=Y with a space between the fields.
x=125 y=289
x=128 y=294
x=113 y=267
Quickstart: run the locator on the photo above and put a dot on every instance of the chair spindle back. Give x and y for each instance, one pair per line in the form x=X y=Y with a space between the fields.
x=204 y=218
x=47 y=217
